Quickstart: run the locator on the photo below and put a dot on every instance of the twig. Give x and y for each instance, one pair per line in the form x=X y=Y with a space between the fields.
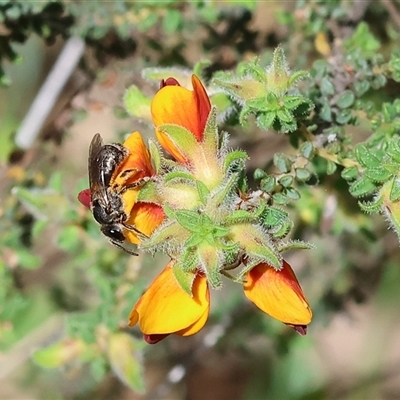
x=392 y=11
x=49 y=92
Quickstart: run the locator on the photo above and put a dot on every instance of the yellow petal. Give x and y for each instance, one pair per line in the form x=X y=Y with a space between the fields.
x=165 y=308
x=180 y=106
x=145 y=217
x=278 y=294
x=138 y=163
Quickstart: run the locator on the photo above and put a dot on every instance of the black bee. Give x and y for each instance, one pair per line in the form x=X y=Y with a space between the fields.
x=107 y=203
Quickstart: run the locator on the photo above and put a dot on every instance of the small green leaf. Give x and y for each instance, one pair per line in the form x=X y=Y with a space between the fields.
x=327 y=87
x=330 y=167
x=190 y=220
x=172 y=21
x=362 y=187
x=183 y=277
x=234 y=158
x=292 y=102
x=203 y=191
x=292 y=193
x=302 y=174
x=344 y=117
x=307 y=150
x=286 y=180
x=365 y=158
x=266 y=119
x=69 y=239
x=259 y=174
x=346 y=99
x=395 y=190
x=28 y=260
x=284 y=115
x=372 y=206
x=326 y=113
x=282 y=162
x=349 y=173
x=124 y=360
x=279 y=198
x=268 y=184
x=378 y=174
x=361 y=87
x=136 y=103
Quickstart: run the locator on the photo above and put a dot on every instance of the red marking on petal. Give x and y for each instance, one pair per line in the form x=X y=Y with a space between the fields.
x=153 y=339
x=85 y=198
x=300 y=329
x=169 y=82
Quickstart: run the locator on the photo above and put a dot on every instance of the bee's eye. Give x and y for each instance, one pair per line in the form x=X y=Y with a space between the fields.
x=113 y=232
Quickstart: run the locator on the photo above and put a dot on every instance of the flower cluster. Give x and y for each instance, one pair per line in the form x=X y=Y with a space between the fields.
x=195 y=206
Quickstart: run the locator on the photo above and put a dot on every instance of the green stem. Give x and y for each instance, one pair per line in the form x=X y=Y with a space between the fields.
x=345 y=162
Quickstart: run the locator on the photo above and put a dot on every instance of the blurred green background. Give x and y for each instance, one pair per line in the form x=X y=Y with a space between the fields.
x=66 y=293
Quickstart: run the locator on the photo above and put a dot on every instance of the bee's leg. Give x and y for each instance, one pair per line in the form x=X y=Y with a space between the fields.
x=119 y=245
x=134 y=229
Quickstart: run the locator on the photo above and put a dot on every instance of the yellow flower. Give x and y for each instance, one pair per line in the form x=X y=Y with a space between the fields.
x=278 y=294
x=174 y=104
x=166 y=309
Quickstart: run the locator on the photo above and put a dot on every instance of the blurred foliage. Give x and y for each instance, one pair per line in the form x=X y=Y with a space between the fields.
x=327 y=81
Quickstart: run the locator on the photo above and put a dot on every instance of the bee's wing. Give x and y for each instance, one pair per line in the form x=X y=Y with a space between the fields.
x=96 y=177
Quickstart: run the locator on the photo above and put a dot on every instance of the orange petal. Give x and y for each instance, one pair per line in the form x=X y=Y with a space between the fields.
x=138 y=161
x=278 y=294
x=165 y=308
x=180 y=106
x=145 y=217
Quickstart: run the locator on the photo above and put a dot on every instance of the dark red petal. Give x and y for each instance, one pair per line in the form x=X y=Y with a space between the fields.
x=85 y=198
x=301 y=329
x=169 y=82
x=153 y=339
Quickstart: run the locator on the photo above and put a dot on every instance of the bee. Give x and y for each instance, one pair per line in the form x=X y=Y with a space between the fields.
x=107 y=203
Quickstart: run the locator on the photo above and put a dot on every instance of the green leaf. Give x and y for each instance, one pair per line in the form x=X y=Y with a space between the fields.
x=327 y=87
x=209 y=259
x=184 y=278
x=172 y=21
x=349 y=173
x=395 y=190
x=69 y=238
x=302 y=174
x=286 y=180
x=274 y=216
x=234 y=158
x=59 y=354
x=292 y=102
x=259 y=174
x=378 y=174
x=372 y=206
x=330 y=167
x=136 y=103
x=307 y=150
x=190 y=220
x=346 y=99
x=292 y=193
x=203 y=191
x=365 y=158
x=266 y=119
x=326 y=113
x=282 y=162
x=28 y=260
x=362 y=187
x=280 y=198
x=268 y=184
x=125 y=360
x=344 y=117
x=284 y=115
x=361 y=87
